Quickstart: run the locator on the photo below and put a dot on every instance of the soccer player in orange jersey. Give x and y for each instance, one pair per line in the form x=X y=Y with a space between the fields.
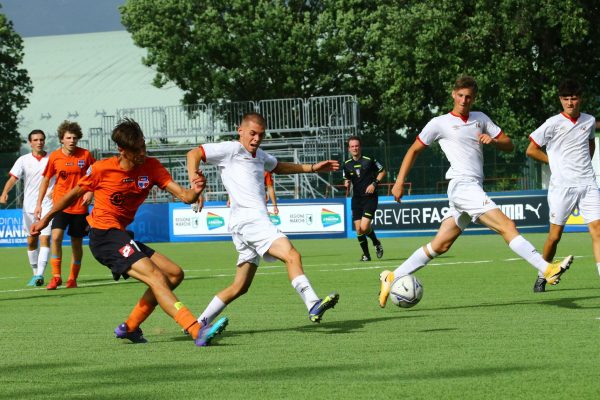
x=120 y=185
x=67 y=164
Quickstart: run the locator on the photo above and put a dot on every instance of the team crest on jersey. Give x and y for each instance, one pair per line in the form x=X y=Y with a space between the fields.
x=143 y=182
x=81 y=163
x=126 y=250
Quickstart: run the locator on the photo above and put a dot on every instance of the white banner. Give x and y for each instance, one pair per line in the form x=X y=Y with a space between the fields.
x=305 y=218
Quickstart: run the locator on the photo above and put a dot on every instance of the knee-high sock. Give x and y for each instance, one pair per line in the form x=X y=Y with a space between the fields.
x=42 y=260
x=214 y=308
x=416 y=261
x=364 y=244
x=33 y=260
x=75 y=267
x=140 y=312
x=527 y=252
x=305 y=290
x=373 y=237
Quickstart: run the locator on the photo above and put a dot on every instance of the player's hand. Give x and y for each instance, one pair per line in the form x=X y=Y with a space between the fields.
x=398 y=191
x=198 y=205
x=37 y=213
x=36 y=228
x=370 y=189
x=275 y=210
x=86 y=199
x=326 y=166
x=199 y=182
x=485 y=138
x=4 y=198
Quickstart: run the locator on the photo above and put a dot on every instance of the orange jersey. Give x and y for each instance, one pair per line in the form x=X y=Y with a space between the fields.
x=118 y=193
x=68 y=170
x=268 y=179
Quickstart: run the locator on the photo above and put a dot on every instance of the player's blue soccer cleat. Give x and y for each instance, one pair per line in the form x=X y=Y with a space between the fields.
x=39 y=280
x=316 y=312
x=209 y=331
x=136 y=336
x=32 y=281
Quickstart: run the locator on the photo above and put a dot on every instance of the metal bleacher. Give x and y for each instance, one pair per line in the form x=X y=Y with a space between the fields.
x=298 y=130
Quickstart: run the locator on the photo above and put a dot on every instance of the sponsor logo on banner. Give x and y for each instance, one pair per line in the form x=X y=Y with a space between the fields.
x=214 y=221
x=275 y=219
x=11 y=228
x=575 y=218
x=329 y=218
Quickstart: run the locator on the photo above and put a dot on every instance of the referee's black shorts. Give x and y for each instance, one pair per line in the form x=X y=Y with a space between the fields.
x=117 y=250
x=364 y=207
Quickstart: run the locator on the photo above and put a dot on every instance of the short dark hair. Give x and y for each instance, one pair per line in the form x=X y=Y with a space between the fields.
x=68 y=126
x=569 y=87
x=254 y=117
x=466 y=82
x=35 y=132
x=354 y=138
x=127 y=134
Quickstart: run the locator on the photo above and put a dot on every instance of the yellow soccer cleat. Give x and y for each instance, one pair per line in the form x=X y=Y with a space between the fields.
x=555 y=270
x=386 y=278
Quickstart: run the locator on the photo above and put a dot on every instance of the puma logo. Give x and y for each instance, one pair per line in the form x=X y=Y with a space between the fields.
x=529 y=207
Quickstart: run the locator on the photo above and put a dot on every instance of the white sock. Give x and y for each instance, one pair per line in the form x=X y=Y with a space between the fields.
x=305 y=290
x=33 y=259
x=416 y=261
x=527 y=252
x=214 y=308
x=43 y=260
x=598 y=266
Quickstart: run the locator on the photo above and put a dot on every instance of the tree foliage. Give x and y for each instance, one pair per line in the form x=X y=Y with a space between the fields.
x=400 y=57
x=15 y=85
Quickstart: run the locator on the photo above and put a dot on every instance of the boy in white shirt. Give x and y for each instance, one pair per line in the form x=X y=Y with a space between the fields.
x=569 y=141
x=241 y=166
x=462 y=135
x=30 y=167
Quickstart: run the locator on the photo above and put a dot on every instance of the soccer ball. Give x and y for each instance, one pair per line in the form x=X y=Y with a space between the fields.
x=406 y=291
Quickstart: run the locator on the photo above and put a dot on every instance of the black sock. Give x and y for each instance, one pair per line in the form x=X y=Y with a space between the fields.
x=373 y=237
x=364 y=244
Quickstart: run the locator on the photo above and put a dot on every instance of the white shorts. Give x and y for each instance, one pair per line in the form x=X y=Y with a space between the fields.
x=253 y=239
x=563 y=200
x=29 y=219
x=468 y=202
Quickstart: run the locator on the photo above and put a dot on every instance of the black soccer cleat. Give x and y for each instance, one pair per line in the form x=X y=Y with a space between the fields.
x=539 y=285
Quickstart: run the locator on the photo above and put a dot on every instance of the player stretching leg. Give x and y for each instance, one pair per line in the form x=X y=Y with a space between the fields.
x=462 y=134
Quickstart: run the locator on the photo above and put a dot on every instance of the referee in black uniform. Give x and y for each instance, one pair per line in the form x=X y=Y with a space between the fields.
x=364 y=173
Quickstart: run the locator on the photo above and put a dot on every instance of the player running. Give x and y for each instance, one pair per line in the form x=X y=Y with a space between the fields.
x=462 y=134
x=67 y=164
x=569 y=141
x=242 y=165
x=29 y=167
x=120 y=185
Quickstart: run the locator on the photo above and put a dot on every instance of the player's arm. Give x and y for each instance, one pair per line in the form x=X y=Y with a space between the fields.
x=534 y=151
x=502 y=141
x=291 y=168
x=407 y=163
x=191 y=195
x=68 y=199
x=10 y=183
x=373 y=186
x=194 y=157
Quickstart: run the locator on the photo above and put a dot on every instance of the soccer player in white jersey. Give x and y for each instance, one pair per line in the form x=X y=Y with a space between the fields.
x=462 y=135
x=569 y=141
x=241 y=166
x=29 y=167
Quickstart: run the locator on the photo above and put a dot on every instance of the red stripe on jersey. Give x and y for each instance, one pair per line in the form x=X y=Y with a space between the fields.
x=573 y=120
x=462 y=117
x=16 y=177
x=419 y=139
x=534 y=142
x=203 y=157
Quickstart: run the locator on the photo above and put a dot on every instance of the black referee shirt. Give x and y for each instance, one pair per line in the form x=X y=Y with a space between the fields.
x=362 y=173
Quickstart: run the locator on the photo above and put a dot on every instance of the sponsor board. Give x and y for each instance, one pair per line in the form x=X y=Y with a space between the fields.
x=324 y=218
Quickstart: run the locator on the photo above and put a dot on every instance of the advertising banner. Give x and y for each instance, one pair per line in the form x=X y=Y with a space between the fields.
x=11 y=228
x=295 y=219
x=421 y=215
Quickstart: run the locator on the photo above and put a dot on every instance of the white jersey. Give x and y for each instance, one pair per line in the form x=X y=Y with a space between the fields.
x=243 y=176
x=30 y=168
x=459 y=139
x=568 y=149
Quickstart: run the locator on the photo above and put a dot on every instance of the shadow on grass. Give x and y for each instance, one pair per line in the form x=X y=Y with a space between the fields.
x=49 y=294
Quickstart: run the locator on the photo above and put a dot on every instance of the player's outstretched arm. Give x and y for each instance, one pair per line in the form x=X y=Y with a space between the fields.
x=407 y=164
x=7 y=187
x=535 y=152
x=68 y=199
x=291 y=168
x=191 y=195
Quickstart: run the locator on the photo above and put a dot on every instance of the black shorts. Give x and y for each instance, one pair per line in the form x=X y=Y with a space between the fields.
x=364 y=207
x=78 y=226
x=117 y=250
